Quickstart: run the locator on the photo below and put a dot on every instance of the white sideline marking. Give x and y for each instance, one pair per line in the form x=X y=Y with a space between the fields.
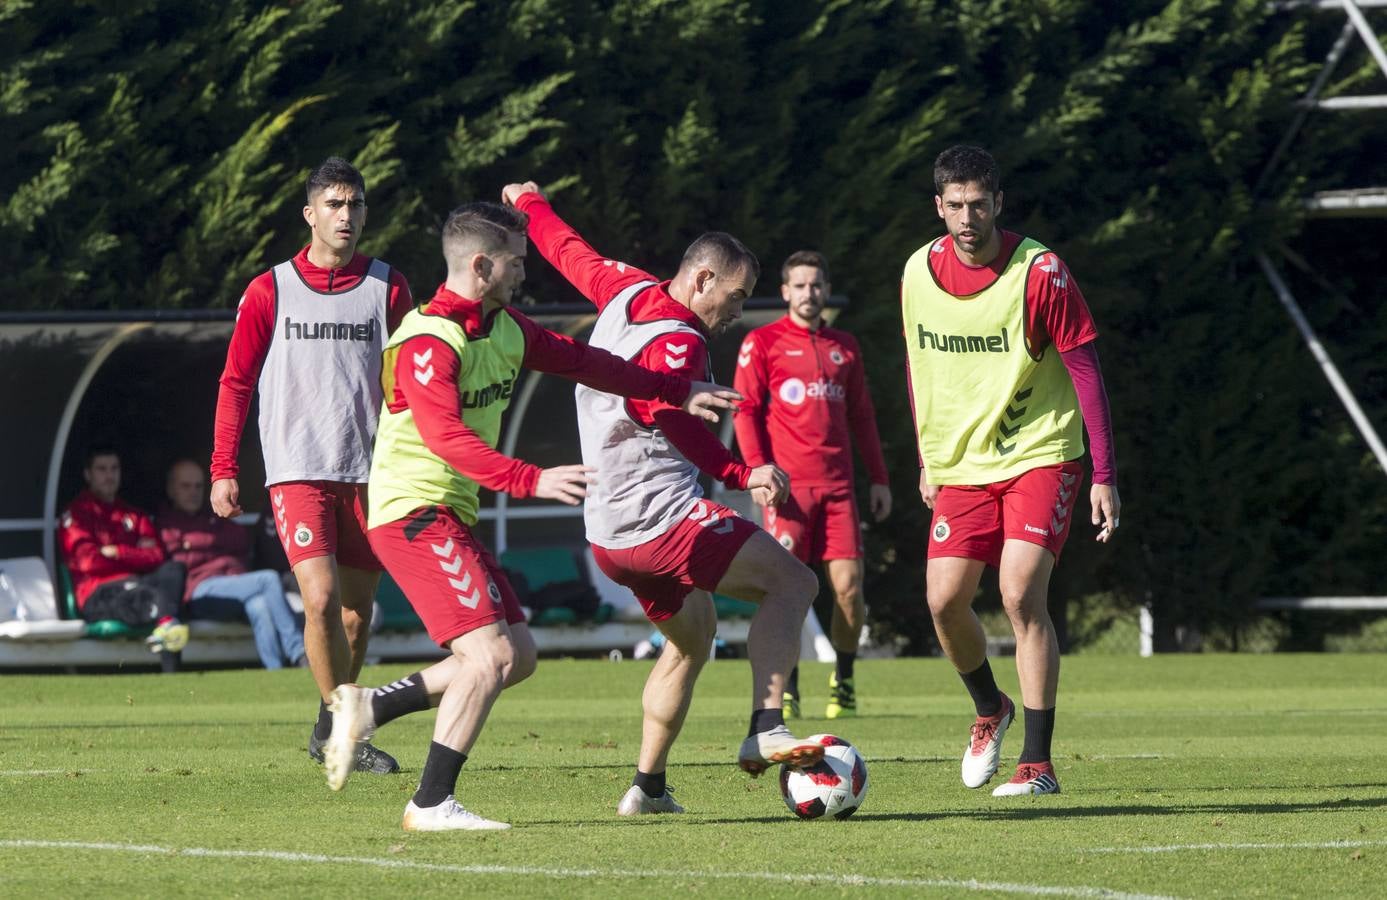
x=1181 y=848
x=19 y=772
x=552 y=872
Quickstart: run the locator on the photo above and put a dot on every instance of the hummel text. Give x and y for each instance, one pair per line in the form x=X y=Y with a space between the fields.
x=963 y=343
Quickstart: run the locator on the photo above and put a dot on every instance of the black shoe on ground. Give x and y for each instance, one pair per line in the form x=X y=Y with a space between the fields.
x=369 y=758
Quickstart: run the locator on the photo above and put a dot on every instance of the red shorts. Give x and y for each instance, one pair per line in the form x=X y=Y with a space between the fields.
x=323 y=518
x=817 y=523
x=693 y=553
x=973 y=521
x=452 y=580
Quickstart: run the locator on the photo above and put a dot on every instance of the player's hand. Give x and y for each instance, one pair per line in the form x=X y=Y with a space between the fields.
x=1107 y=506
x=928 y=492
x=511 y=192
x=226 y=497
x=879 y=499
x=567 y=484
x=706 y=398
x=110 y=551
x=769 y=485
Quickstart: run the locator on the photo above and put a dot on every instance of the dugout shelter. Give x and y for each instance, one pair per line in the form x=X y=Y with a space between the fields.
x=145 y=382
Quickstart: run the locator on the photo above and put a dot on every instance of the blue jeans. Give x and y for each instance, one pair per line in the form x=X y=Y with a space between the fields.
x=257 y=597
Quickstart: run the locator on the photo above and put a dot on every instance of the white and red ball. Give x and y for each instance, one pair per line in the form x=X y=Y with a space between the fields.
x=835 y=787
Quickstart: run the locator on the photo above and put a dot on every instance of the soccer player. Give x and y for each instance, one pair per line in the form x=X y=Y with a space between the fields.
x=999 y=346
x=647 y=521
x=309 y=335
x=449 y=372
x=806 y=405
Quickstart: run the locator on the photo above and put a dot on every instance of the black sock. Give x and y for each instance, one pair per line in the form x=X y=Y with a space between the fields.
x=322 y=729
x=765 y=720
x=651 y=785
x=399 y=698
x=1040 y=727
x=170 y=662
x=845 y=661
x=792 y=683
x=987 y=699
x=440 y=777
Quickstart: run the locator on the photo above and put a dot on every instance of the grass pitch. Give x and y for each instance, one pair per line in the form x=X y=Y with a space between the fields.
x=1189 y=776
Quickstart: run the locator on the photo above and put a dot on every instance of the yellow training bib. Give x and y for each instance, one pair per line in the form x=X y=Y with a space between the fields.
x=985 y=409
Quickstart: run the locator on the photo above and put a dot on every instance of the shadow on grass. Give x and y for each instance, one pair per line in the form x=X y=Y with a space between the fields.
x=1030 y=813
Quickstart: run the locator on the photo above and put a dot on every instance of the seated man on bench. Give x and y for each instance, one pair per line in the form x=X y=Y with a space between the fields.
x=119 y=570
x=220 y=586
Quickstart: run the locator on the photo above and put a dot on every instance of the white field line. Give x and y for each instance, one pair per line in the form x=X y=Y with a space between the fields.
x=17 y=773
x=1198 y=848
x=949 y=759
x=828 y=878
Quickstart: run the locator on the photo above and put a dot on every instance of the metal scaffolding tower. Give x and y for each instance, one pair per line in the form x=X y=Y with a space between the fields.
x=1361 y=202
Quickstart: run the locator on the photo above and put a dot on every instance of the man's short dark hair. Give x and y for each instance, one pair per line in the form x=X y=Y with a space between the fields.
x=722 y=253
x=965 y=163
x=332 y=172
x=96 y=450
x=481 y=227
x=803 y=258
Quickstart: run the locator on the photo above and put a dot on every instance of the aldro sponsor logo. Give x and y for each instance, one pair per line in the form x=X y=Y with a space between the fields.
x=500 y=390
x=329 y=331
x=963 y=343
x=794 y=391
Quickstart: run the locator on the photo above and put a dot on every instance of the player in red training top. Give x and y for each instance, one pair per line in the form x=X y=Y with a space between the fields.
x=119 y=569
x=646 y=518
x=309 y=335
x=806 y=404
x=999 y=344
x=450 y=371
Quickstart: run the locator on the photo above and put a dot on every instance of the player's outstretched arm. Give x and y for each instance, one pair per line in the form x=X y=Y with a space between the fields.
x=596 y=277
x=567 y=484
x=1107 y=507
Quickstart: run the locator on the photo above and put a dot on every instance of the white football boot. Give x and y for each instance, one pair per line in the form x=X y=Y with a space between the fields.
x=637 y=802
x=984 y=751
x=447 y=816
x=762 y=750
x=353 y=723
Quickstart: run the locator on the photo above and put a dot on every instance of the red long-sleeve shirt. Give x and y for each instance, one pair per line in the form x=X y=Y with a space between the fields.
x=600 y=280
x=805 y=404
x=250 y=342
x=204 y=542
x=89 y=524
x=435 y=404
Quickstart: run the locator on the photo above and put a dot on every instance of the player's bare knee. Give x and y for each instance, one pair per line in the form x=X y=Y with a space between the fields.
x=946 y=604
x=1024 y=608
x=523 y=665
x=794 y=583
x=320 y=604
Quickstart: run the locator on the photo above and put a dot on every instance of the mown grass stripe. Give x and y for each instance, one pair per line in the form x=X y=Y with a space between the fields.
x=828 y=878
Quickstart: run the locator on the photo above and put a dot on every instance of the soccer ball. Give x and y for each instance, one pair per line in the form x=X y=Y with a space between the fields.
x=835 y=787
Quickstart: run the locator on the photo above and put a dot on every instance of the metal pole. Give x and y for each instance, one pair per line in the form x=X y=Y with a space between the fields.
x=55 y=457
x=1365 y=31
x=1331 y=61
x=1346 y=397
